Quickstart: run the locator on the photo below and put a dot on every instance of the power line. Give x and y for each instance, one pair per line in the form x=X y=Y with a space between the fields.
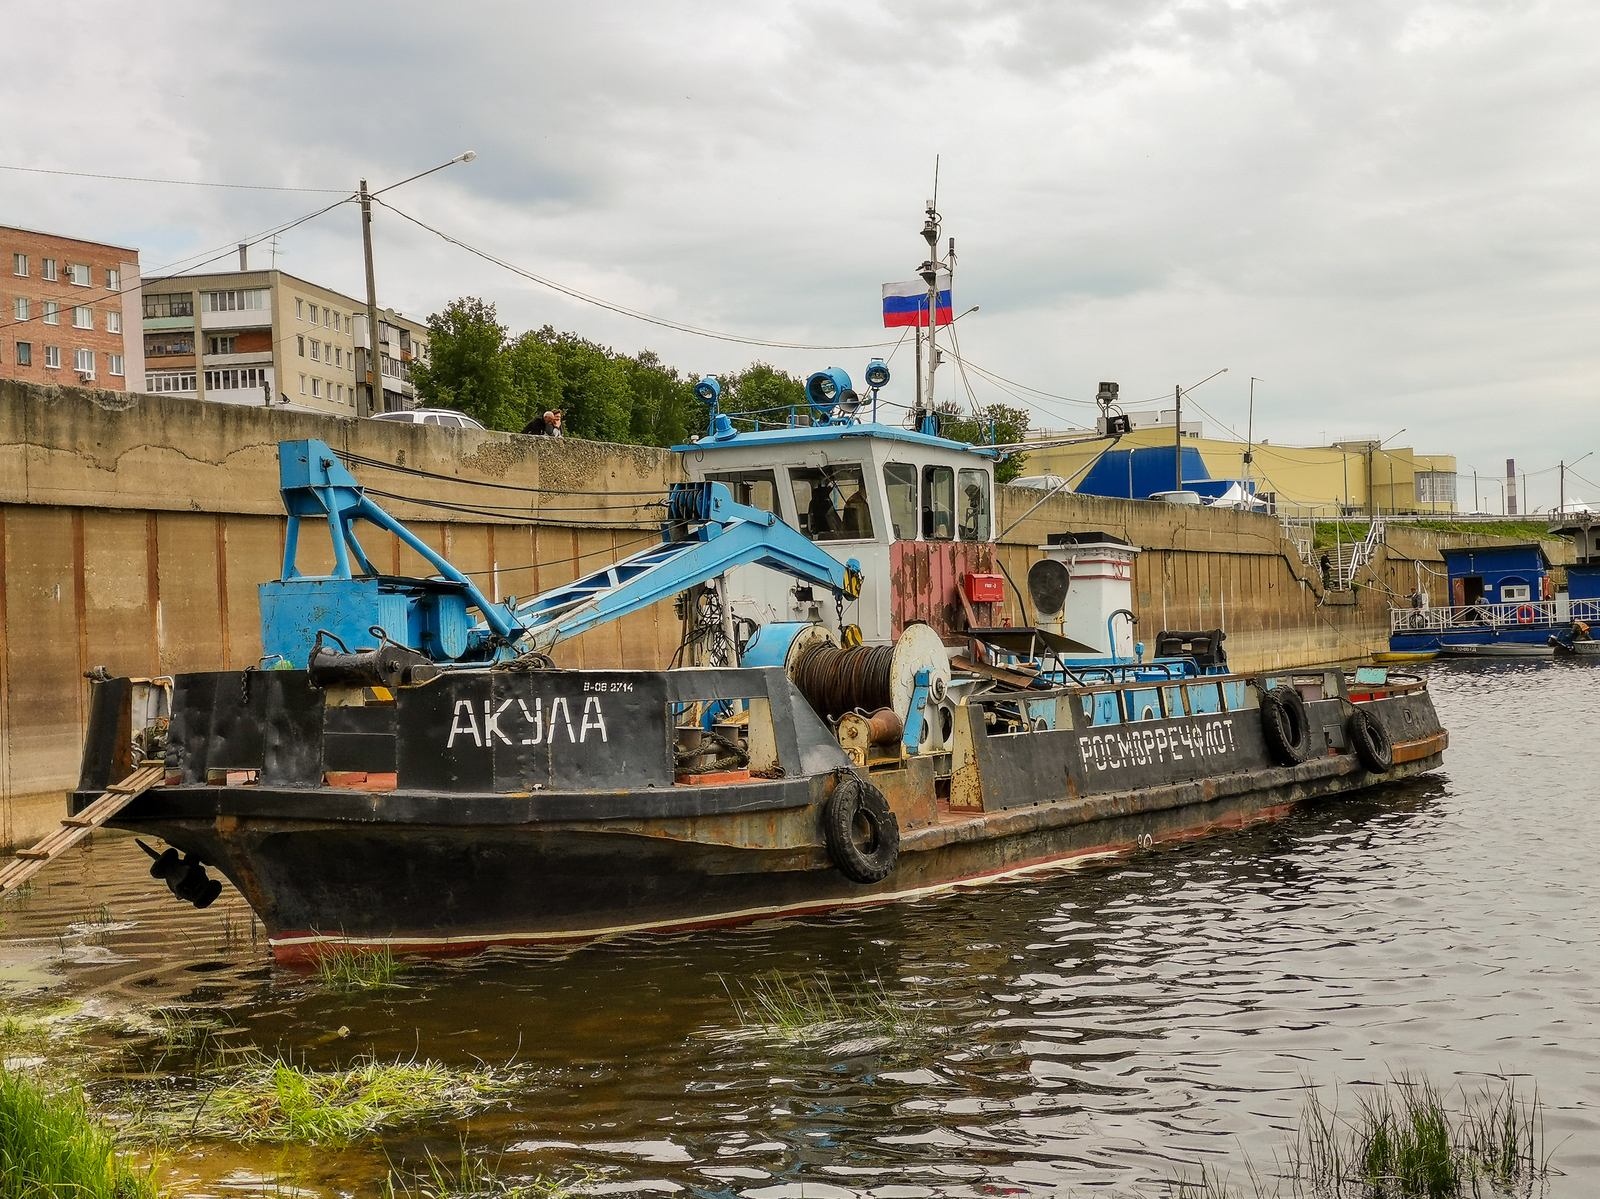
x=551 y=562
x=621 y=310
x=351 y=459
x=159 y=272
x=256 y=187
x=531 y=517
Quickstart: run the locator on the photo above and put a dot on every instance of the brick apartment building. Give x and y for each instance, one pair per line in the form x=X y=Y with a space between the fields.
x=69 y=311
x=254 y=337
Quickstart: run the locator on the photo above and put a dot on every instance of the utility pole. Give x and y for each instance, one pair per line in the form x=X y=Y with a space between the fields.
x=1177 y=439
x=374 y=371
x=1250 y=431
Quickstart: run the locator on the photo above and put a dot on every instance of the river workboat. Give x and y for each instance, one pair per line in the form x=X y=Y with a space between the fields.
x=854 y=726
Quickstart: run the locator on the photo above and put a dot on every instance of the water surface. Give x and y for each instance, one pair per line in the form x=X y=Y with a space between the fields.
x=1101 y=1030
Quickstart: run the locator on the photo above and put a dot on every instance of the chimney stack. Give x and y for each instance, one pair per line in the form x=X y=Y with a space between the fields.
x=1511 y=486
x=244 y=256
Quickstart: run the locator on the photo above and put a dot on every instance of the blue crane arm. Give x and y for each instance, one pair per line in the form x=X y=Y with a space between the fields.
x=315 y=483
x=705 y=534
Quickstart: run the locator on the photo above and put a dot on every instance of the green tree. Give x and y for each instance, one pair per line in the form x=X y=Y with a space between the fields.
x=466 y=369
x=1008 y=424
x=760 y=386
x=535 y=378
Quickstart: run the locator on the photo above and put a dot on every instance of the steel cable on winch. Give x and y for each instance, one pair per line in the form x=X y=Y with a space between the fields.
x=835 y=681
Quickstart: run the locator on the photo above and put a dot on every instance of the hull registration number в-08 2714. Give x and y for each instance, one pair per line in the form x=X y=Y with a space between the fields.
x=1124 y=747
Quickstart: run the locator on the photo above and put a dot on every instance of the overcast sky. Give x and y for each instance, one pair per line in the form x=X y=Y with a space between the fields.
x=1384 y=210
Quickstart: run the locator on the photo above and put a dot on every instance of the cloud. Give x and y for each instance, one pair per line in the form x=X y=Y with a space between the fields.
x=1382 y=209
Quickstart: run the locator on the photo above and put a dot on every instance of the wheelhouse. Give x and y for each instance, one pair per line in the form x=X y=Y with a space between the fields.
x=914 y=509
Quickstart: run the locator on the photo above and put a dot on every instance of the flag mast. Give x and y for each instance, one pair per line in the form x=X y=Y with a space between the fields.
x=930 y=276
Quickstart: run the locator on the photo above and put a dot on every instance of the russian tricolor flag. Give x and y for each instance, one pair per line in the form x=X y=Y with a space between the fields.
x=907 y=304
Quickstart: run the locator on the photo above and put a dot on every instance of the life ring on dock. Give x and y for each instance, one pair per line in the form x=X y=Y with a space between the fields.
x=1370 y=741
x=1286 y=725
x=862 y=834
x=1526 y=614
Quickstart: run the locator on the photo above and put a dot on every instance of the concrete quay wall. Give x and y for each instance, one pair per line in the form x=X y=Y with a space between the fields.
x=136 y=528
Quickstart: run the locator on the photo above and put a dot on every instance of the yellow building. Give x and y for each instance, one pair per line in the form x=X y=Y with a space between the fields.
x=1352 y=477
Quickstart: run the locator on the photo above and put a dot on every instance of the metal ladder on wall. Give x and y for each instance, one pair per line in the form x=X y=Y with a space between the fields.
x=1356 y=555
x=29 y=862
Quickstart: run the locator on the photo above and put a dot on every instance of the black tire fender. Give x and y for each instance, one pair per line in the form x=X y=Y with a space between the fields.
x=1286 y=725
x=856 y=806
x=1370 y=741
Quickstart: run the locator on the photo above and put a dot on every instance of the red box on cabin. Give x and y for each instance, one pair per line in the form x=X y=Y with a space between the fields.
x=985 y=589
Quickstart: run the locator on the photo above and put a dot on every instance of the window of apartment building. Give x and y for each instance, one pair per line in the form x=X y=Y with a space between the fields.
x=24 y=353
x=221 y=345
x=113 y=321
x=170 y=304
x=164 y=345
x=247 y=299
x=244 y=378
x=169 y=381
x=19 y=265
x=52 y=357
x=302 y=385
x=316 y=351
x=338 y=356
x=82 y=316
x=49 y=269
x=114 y=364
x=113 y=279
x=19 y=308
x=347 y=326
x=316 y=388
x=78 y=274
x=83 y=362
x=51 y=313
x=300 y=345
x=299 y=309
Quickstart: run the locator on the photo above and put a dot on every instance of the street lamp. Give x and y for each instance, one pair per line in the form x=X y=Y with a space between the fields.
x=1562 y=511
x=372 y=364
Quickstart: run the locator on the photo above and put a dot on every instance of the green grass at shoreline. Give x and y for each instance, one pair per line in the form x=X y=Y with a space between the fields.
x=50 y=1146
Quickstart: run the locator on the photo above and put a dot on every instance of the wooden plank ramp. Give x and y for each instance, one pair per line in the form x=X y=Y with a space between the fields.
x=29 y=862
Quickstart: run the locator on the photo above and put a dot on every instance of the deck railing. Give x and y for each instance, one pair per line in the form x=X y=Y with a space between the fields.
x=1481 y=616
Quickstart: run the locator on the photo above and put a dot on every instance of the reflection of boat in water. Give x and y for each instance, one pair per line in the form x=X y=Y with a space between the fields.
x=413 y=775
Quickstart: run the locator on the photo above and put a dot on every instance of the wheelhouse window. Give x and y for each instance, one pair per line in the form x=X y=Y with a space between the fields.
x=973 y=497
x=938 y=503
x=755 y=488
x=831 y=502
x=900 y=482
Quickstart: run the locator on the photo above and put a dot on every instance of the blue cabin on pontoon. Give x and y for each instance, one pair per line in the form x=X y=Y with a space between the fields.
x=1501 y=601
x=1497 y=574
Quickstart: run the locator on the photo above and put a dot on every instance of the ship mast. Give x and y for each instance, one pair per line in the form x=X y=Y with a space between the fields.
x=929 y=272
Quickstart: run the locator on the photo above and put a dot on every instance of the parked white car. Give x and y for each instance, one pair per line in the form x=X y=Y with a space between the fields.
x=431 y=416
